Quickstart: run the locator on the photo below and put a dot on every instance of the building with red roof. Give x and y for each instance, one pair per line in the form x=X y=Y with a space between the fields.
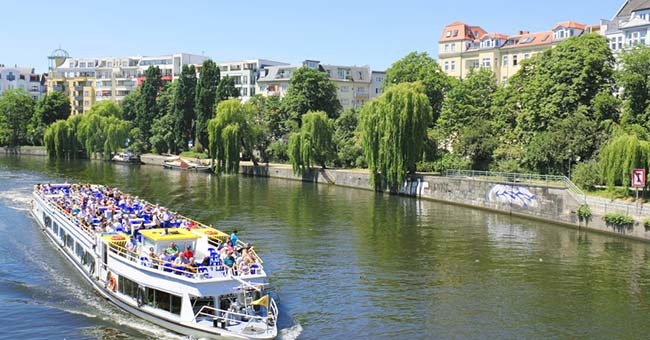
x=462 y=47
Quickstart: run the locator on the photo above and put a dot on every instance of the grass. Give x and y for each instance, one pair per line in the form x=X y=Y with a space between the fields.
x=192 y=154
x=615 y=194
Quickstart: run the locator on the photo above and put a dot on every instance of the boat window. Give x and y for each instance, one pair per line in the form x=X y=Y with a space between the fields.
x=55 y=228
x=69 y=242
x=199 y=302
x=163 y=300
x=47 y=220
x=61 y=232
x=127 y=287
x=78 y=250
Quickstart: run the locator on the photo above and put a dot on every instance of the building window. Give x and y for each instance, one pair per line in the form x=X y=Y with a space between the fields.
x=376 y=90
x=244 y=79
x=244 y=91
x=505 y=60
x=446 y=47
x=446 y=66
x=453 y=47
x=345 y=88
x=487 y=62
x=360 y=75
x=86 y=93
x=453 y=65
x=345 y=101
x=514 y=60
x=526 y=56
x=86 y=103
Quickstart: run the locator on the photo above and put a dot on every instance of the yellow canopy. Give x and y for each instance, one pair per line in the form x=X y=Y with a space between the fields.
x=211 y=233
x=173 y=234
x=263 y=301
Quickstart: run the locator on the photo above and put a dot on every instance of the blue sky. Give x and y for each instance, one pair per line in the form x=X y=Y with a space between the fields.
x=348 y=32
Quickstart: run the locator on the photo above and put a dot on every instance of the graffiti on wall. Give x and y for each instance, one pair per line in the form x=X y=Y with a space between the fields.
x=514 y=195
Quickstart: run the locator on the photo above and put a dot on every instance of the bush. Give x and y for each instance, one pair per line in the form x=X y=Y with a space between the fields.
x=585 y=175
x=277 y=152
x=584 y=213
x=618 y=221
x=451 y=161
x=646 y=224
x=192 y=154
x=507 y=165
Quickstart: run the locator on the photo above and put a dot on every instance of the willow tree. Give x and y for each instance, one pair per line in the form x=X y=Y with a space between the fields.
x=60 y=138
x=393 y=129
x=229 y=134
x=620 y=156
x=313 y=144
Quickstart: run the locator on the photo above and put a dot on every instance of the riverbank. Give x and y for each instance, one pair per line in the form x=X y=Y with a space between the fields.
x=26 y=150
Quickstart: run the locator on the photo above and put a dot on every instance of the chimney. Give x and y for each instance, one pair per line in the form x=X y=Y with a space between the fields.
x=523 y=32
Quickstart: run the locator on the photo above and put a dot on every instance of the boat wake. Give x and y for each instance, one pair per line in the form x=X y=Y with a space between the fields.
x=290 y=333
x=17 y=200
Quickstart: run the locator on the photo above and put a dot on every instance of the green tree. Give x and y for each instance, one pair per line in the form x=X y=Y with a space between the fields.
x=206 y=96
x=130 y=104
x=420 y=67
x=49 y=108
x=148 y=105
x=226 y=89
x=184 y=107
x=348 y=144
x=634 y=78
x=620 y=156
x=310 y=90
x=162 y=137
x=230 y=133
x=393 y=129
x=16 y=110
x=313 y=144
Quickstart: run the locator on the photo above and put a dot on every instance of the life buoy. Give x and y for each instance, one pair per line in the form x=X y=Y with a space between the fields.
x=112 y=283
x=117 y=238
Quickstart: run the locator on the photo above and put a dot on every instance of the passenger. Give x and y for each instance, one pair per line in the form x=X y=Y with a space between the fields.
x=188 y=252
x=230 y=246
x=230 y=264
x=191 y=265
x=164 y=257
x=206 y=261
x=132 y=245
x=172 y=250
x=234 y=238
x=181 y=260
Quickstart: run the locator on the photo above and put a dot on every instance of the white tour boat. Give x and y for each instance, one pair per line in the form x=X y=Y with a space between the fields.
x=214 y=300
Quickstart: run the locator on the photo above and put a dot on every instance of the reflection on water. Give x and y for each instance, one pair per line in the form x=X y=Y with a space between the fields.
x=344 y=263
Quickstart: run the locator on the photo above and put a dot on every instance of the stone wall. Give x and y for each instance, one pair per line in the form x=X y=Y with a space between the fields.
x=26 y=150
x=547 y=203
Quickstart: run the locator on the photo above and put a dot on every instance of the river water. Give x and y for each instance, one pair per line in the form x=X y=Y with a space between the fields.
x=344 y=263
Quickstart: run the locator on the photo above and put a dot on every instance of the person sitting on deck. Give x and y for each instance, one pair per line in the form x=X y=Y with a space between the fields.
x=132 y=245
x=172 y=250
x=164 y=257
x=229 y=263
x=191 y=265
x=181 y=260
x=152 y=255
x=188 y=252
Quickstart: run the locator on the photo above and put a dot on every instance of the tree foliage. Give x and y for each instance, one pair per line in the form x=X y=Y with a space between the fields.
x=230 y=133
x=163 y=137
x=634 y=78
x=347 y=141
x=48 y=109
x=620 y=156
x=393 y=129
x=148 y=109
x=310 y=90
x=313 y=144
x=226 y=89
x=184 y=97
x=420 y=67
x=16 y=110
x=206 y=96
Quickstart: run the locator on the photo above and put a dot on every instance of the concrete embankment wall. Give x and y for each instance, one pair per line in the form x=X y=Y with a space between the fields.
x=547 y=203
x=26 y=150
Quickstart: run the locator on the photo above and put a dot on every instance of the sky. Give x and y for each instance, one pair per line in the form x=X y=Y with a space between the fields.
x=340 y=32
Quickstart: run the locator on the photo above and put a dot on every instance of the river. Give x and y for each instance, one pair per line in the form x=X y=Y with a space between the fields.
x=344 y=263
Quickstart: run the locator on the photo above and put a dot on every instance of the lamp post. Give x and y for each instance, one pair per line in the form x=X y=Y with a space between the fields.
x=570 y=156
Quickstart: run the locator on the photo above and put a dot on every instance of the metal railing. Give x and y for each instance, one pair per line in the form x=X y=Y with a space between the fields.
x=518 y=178
x=230 y=317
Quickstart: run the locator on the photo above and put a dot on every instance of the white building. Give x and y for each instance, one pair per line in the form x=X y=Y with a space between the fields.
x=629 y=27
x=22 y=78
x=356 y=84
x=245 y=73
x=89 y=80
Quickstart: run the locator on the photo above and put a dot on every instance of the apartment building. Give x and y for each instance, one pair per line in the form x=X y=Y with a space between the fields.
x=464 y=47
x=356 y=85
x=89 y=80
x=246 y=73
x=629 y=27
x=22 y=78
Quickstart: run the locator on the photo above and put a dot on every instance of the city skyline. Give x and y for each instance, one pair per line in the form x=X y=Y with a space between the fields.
x=342 y=33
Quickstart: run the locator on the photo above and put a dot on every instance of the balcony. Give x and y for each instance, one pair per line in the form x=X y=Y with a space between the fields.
x=58 y=87
x=78 y=88
x=79 y=98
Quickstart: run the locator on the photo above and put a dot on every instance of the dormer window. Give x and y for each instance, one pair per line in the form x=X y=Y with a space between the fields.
x=448 y=34
x=455 y=33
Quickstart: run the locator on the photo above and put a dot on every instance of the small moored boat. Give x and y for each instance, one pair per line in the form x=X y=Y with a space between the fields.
x=126 y=157
x=111 y=238
x=181 y=164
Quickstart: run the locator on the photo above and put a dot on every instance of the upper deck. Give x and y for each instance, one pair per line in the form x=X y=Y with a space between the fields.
x=149 y=240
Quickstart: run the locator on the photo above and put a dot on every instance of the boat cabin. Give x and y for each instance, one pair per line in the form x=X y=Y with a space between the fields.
x=159 y=239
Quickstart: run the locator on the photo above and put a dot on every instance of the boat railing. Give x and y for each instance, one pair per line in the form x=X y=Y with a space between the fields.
x=235 y=318
x=68 y=215
x=168 y=267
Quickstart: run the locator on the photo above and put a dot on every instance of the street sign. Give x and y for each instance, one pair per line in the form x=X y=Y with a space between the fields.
x=638 y=178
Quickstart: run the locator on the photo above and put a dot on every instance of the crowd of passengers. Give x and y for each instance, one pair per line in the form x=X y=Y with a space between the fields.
x=105 y=209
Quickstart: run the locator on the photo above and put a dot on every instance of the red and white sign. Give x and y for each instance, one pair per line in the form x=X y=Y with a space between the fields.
x=638 y=178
